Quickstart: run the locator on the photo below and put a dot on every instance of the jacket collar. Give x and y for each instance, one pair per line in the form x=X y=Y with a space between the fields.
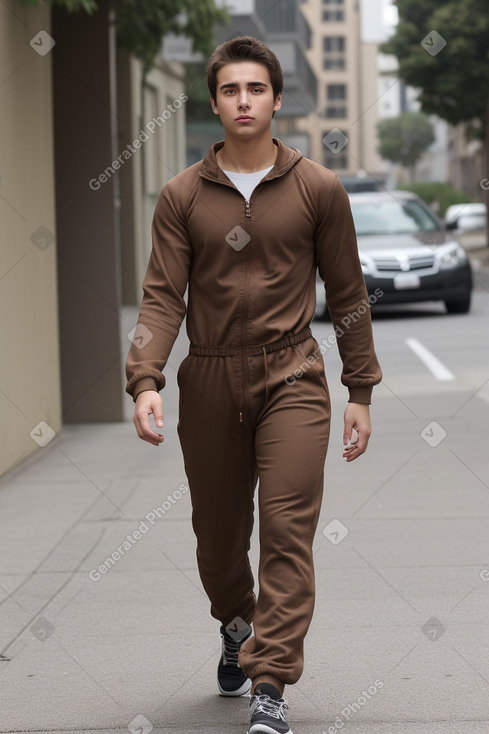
x=285 y=160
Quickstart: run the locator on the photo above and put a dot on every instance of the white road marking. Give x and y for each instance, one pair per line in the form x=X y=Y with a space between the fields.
x=433 y=363
x=483 y=393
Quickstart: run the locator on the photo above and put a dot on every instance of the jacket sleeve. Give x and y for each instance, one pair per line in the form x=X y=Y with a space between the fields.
x=347 y=298
x=163 y=307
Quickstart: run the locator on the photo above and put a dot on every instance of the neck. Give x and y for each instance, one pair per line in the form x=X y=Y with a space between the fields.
x=247 y=156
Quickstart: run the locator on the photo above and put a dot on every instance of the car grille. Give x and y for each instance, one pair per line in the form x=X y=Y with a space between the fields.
x=416 y=262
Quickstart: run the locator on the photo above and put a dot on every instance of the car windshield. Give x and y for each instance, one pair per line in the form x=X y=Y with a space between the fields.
x=392 y=216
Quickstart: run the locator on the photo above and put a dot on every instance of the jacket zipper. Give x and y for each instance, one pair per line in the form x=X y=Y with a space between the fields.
x=243 y=319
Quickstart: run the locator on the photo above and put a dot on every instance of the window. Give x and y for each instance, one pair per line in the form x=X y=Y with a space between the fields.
x=336 y=111
x=335 y=98
x=334 y=11
x=334 y=52
x=336 y=160
x=336 y=91
x=333 y=16
x=333 y=43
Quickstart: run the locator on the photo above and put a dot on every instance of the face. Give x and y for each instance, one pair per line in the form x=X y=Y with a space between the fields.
x=244 y=98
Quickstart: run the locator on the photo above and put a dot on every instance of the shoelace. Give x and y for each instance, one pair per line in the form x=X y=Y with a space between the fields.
x=230 y=650
x=266 y=705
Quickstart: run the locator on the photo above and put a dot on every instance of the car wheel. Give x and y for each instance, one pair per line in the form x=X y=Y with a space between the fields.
x=324 y=316
x=461 y=306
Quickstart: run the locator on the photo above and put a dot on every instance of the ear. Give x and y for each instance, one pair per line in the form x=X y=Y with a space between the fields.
x=278 y=102
x=214 y=106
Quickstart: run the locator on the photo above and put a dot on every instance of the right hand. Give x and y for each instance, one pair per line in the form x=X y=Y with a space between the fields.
x=147 y=403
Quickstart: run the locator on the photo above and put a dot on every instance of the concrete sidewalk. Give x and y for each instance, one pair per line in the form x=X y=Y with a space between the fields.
x=399 y=638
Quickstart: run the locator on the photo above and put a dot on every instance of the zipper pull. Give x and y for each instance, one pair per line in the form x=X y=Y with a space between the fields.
x=247 y=208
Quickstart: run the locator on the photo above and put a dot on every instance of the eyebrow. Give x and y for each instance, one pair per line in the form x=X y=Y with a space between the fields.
x=233 y=85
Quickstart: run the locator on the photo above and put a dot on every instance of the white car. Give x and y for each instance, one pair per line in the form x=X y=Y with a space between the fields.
x=407 y=254
x=466 y=217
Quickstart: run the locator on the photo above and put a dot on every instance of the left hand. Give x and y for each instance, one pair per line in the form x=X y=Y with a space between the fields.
x=357 y=416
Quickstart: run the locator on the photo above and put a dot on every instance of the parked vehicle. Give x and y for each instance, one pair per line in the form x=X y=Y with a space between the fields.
x=466 y=217
x=357 y=184
x=407 y=254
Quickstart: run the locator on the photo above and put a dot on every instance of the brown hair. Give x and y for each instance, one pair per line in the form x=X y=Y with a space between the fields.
x=244 y=48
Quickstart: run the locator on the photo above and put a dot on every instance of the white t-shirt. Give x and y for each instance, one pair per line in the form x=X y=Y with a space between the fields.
x=246 y=182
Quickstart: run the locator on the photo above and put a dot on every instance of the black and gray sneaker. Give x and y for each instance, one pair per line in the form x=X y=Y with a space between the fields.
x=231 y=680
x=268 y=711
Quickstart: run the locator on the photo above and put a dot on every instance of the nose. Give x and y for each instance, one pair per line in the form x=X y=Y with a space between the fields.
x=243 y=99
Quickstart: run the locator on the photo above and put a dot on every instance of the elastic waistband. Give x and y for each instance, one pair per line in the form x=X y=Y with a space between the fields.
x=250 y=349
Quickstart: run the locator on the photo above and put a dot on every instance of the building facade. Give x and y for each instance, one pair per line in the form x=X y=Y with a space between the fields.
x=79 y=181
x=342 y=128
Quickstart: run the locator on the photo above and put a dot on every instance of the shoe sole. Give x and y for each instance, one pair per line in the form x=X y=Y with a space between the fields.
x=264 y=729
x=245 y=688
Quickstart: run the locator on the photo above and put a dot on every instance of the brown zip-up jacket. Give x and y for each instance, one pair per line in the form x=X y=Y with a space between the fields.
x=251 y=267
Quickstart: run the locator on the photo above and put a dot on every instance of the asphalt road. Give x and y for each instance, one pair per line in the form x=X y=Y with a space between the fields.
x=399 y=640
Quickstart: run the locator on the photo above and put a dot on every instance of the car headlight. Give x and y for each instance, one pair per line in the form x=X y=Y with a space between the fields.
x=365 y=266
x=453 y=257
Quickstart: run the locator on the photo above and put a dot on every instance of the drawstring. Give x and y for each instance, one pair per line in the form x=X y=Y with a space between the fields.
x=264 y=352
x=290 y=340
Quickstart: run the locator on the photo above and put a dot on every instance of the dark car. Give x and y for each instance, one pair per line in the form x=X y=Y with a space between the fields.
x=407 y=253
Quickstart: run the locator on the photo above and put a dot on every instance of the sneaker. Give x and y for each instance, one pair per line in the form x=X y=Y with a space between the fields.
x=268 y=712
x=231 y=680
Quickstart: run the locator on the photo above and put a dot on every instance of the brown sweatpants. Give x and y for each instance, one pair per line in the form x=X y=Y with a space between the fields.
x=245 y=415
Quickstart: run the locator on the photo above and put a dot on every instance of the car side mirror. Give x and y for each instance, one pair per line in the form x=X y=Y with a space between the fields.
x=452 y=224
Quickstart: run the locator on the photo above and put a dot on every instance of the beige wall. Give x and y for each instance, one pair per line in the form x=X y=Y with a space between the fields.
x=360 y=78
x=29 y=356
x=369 y=158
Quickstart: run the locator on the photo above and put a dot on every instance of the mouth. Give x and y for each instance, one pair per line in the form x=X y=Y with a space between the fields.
x=244 y=118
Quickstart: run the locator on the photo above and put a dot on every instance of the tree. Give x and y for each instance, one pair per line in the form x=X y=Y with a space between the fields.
x=404 y=139
x=453 y=79
x=142 y=25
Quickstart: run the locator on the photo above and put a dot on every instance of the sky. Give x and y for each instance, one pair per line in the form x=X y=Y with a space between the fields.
x=379 y=18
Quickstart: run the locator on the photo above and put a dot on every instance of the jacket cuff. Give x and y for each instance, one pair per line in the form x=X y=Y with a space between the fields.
x=360 y=395
x=146 y=383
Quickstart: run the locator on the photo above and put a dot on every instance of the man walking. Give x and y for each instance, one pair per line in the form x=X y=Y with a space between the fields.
x=246 y=229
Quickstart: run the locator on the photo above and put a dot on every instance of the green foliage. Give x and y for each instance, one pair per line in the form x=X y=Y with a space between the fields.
x=404 y=139
x=141 y=24
x=437 y=193
x=72 y=6
x=454 y=83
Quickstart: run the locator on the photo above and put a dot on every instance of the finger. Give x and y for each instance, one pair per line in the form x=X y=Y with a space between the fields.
x=144 y=430
x=347 y=432
x=357 y=449
x=352 y=440
x=158 y=416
